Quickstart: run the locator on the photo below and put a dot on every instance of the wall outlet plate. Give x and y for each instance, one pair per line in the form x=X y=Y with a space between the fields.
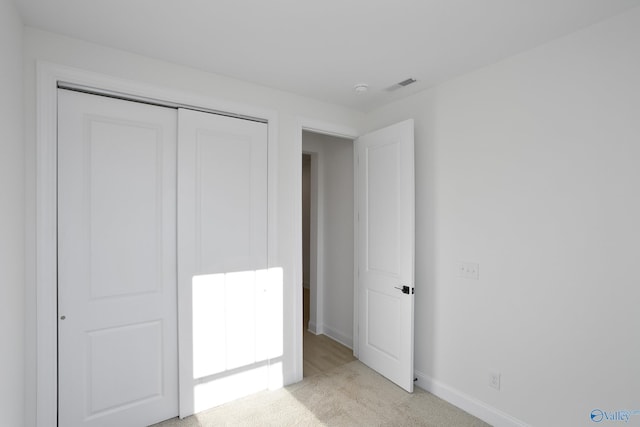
x=494 y=380
x=468 y=270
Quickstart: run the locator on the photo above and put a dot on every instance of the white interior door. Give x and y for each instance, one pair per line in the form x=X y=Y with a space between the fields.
x=229 y=314
x=385 y=247
x=117 y=327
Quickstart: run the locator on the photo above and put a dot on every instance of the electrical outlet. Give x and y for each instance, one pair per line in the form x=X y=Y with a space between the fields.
x=469 y=270
x=494 y=380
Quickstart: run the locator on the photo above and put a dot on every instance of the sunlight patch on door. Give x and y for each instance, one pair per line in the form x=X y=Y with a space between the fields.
x=237 y=335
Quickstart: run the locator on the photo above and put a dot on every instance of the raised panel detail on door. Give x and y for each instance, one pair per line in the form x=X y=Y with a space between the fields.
x=377 y=326
x=125 y=214
x=225 y=297
x=382 y=232
x=117 y=328
x=139 y=379
x=230 y=184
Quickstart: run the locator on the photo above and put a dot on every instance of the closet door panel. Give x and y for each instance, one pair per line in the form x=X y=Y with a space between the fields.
x=222 y=258
x=117 y=331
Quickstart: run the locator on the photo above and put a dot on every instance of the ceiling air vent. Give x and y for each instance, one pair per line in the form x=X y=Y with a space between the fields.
x=401 y=84
x=406 y=82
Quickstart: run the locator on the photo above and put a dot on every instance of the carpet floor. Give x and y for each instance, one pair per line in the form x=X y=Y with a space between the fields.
x=349 y=395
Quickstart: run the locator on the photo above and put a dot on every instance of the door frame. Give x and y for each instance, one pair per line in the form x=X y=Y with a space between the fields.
x=331 y=129
x=49 y=76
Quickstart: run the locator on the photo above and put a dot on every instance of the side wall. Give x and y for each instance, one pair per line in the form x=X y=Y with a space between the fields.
x=11 y=218
x=336 y=228
x=41 y=45
x=530 y=167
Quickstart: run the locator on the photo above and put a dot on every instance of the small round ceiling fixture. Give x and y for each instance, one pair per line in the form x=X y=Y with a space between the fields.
x=361 y=87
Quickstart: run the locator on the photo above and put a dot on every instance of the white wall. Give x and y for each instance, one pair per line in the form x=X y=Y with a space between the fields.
x=531 y=167
x=40 y=45
x=11 y=218
x=335 y=159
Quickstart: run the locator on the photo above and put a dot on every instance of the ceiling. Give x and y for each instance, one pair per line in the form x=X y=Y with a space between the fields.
x=321 y=49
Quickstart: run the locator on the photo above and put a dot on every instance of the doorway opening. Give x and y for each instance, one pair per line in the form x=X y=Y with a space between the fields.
x=327 y=254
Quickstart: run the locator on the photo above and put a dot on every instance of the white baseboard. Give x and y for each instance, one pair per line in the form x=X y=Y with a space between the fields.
x=337 y=336
x=334 y=335
x=468 y=403
x=313 y=328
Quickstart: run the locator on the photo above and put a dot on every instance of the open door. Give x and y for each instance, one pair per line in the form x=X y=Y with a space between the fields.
x=385 y=235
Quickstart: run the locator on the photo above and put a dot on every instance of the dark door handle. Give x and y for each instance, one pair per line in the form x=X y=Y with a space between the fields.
x=406 y=289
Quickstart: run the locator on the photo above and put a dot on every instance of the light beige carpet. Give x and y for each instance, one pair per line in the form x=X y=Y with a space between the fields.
x=350 y=395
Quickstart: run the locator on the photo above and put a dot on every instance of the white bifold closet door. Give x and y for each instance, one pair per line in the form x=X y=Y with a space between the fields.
x=162 y=221
x=117 y=328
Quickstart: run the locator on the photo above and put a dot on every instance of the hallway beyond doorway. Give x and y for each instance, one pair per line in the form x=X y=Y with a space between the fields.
x=321 y=353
